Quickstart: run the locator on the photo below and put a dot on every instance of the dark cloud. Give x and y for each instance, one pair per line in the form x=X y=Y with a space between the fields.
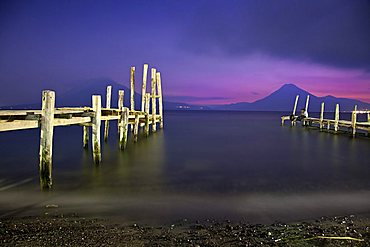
x=334 y=32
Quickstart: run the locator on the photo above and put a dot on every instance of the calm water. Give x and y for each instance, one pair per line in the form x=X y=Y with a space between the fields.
x=221 y=165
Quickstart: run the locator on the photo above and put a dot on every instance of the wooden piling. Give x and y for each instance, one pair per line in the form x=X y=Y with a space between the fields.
x=368 y=120
x=123 y=123
x=107 y=105
x=154 y=98
x=322 y=115
x=121 y=96
x=353 y=122
x=143 y=90
x=295 y=105
x=85 y=137
x=96 y=123
x=292 y=123
x=46 y=138
x=336 y=121
x=132 y=83
x=306 y=108
x=160 y=101
x=136 y=127
x=147 y=123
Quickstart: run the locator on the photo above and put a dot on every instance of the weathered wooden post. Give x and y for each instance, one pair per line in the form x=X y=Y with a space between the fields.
x=304 y=122
x=294 y=108
x=46 y=138
x=295 y=104
x=123 y=124
x=154 y=98
x=121 y=97
x=354 y=119
x=147 y=123
x=132 y=91
x=160 y=101
x=306 y=108
x=136 y=127
x=132 y=83
x=96 y=123
x=322 y=115
x=336 y=121
x=107 y=105
x=368 y=120
x=143 y=90
x=85 y=137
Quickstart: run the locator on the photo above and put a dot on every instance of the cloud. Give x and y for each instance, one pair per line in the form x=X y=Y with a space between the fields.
x=332 y=32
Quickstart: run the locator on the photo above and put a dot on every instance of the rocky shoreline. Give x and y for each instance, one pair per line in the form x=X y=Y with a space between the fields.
x=60 y=230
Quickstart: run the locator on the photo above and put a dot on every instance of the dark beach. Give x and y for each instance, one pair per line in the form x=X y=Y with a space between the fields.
x=72 y=230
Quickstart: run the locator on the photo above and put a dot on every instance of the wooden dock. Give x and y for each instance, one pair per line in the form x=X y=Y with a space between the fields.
x=89 y=117
x=336 y=124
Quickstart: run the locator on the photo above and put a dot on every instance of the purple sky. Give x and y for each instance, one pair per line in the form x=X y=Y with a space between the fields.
x=209 y=52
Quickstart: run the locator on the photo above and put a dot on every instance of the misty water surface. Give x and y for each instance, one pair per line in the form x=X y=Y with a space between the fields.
x=220 y=165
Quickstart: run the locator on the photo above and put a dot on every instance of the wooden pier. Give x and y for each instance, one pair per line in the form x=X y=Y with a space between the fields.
x=89 y=117
x=336 y=124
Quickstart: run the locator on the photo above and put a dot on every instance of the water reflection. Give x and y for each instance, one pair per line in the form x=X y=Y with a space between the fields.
x=203 y=164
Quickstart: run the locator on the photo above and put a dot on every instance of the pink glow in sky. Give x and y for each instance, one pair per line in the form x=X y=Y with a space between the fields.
x=220 y=81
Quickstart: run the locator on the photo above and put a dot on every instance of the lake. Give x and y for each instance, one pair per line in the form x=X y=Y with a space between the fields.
x=203 y=164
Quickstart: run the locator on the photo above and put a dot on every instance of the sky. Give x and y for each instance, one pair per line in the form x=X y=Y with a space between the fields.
x=208 y=52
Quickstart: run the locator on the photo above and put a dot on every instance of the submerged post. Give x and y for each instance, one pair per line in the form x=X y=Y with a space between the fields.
x=354 y=119
x=160 y=101
x=121 y=95
x=147 y=123
x=132 y=91
x=368 y=120
x=46 y=138
x=143 y=90
x=336 y=121
x=107 y=105
x=136 y=127
x=132 y=83
x=154 y=98
x=123 y=125
x=85 y=137
x=322 y=115
x=96 y=123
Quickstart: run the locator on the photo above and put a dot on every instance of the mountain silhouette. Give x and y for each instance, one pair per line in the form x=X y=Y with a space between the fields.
x=280 y=100
x=283 y=100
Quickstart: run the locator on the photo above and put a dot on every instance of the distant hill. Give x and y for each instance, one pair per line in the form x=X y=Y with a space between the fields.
x=283 y=100
x=280 y=100
x=81 y=96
